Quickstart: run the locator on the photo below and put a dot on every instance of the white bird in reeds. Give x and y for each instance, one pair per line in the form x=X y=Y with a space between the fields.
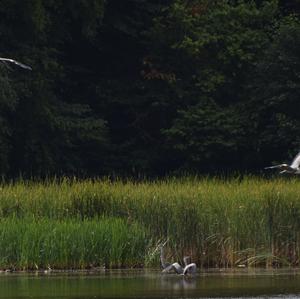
x=189 y=268
x=8 y=60
x=292 y=168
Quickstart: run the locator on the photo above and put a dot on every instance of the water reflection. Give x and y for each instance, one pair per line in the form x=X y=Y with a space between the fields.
x=152 y=284
x=178 y=282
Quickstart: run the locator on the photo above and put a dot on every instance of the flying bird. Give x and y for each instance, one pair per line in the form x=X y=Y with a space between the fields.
x=285 y=168
x=24 y=66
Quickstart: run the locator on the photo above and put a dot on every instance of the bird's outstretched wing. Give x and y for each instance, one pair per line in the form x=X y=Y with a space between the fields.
x=274 y=166
x=190 y=269
x=281 y=167
x=174 y=267
x=22 y=65
x=296 y=161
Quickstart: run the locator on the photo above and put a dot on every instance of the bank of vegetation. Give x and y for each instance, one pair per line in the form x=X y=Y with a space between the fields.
x=71 y=224
x=148 y=86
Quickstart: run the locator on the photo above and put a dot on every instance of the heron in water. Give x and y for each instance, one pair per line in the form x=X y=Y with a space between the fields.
x=189 y=268
x=285 y=168
x=24 y=66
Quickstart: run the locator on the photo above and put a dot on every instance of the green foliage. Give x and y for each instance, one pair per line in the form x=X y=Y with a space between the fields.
x=275 y=92
x=218 y=45
x=147 y=87
x=29 y=244
x=55 y=130
x=220 y=223
x=207 y=133
x=8 y=103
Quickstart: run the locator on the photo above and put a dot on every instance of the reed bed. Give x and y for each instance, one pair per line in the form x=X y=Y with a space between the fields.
x=220 y=223
x=70 y=244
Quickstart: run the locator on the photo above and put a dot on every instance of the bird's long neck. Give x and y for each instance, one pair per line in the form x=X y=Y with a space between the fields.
x=162 y=258
x=186 y=260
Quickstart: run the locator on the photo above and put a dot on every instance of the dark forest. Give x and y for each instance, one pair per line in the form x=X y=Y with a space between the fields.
x=148 y=87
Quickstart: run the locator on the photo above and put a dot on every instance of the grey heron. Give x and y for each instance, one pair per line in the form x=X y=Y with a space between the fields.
x=292 y=168
x=24 y=66
x=167 y=267
x=189 y=268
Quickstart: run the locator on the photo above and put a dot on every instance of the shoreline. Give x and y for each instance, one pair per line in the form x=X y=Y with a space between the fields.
x=259 y=271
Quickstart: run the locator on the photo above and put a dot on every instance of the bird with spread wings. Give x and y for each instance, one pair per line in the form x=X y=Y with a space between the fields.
x=293 y=168
x=12 y=61
x=189 y=268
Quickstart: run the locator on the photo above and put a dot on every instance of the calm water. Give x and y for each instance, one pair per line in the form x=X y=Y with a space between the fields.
x=152 y=284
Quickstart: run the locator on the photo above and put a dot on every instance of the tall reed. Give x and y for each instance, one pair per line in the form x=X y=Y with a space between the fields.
x=224 y=223
x=70 y=244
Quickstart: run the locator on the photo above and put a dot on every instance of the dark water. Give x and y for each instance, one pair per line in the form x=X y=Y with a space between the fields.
x=152 y=284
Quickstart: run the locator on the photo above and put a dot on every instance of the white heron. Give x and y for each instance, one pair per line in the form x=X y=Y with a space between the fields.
x=24 y=66
x=285 y=168
x=189 y=268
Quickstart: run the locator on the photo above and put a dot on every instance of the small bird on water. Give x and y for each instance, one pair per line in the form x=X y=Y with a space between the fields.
x=8 y=60
x=293 y=168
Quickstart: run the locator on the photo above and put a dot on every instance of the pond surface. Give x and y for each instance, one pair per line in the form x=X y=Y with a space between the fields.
x=152 y=284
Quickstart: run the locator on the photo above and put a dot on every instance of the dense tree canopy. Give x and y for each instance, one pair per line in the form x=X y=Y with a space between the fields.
x=148 y=87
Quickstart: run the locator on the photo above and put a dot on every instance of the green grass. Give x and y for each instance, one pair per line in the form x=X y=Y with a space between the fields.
x=70 y=244
x=221 y=223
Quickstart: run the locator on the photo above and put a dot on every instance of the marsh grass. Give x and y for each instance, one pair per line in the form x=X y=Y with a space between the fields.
x=221 y=223
x=70 y=244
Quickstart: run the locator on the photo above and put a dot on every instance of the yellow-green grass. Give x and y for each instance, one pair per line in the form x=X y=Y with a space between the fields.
x=220 y=223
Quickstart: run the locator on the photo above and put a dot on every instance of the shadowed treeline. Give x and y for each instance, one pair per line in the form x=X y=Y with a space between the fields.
x=148 y=87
